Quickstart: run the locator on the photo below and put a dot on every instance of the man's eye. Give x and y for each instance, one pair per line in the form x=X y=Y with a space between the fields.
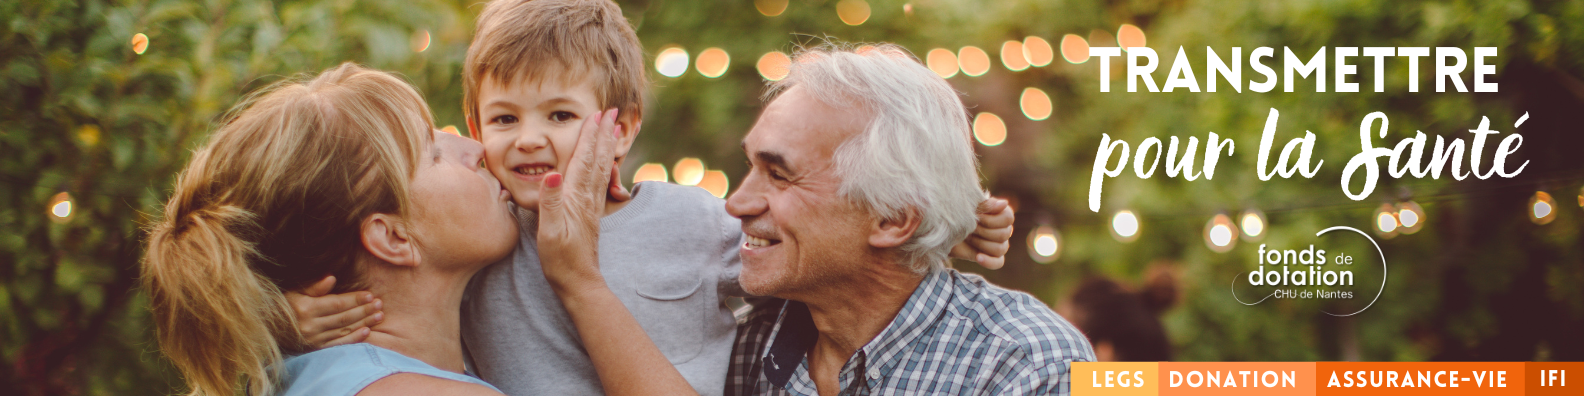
x=777 y=176
x=505 y=119
x=562 y=116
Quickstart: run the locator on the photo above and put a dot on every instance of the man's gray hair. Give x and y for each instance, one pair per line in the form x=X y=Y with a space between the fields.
x=915 y=154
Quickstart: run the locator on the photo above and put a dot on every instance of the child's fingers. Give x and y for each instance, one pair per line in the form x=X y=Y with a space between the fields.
x=991 y=262
x=352 y=337
x=308 y=308
x=995 y=213
x=993 y=234
x=340 y=324
x=320 y=288
x=618 y=193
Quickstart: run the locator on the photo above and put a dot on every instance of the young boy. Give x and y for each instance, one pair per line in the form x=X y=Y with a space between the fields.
x=534 y=71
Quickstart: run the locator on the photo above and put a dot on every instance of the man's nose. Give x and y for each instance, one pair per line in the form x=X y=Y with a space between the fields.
x=748 y=200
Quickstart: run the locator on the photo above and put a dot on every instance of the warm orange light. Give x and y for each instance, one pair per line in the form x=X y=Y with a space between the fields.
x=689 y=171
x=1074 y=49
x=771 y=7
x=451 y=129
x=1130 y=36
x=989 y=130
x=773 y=65
x=1037 y=51
x=712 y=62
x=420 y=41
x=715 y=182
x=140 y=43
x=942 y=61
x=853 y=12
x=60 y=207
x=1012 y=56
x=650 y=172
x=973 y=61
x=1035 y=103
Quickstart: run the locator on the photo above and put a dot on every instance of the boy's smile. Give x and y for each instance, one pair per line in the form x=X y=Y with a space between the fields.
x=529 y=129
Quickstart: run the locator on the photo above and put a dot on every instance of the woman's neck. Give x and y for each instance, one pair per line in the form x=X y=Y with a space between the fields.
x=422 y=315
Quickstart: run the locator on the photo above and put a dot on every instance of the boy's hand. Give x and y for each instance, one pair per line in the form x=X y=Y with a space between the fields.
x=618 y=193
x=326 y=320
x=989 y=242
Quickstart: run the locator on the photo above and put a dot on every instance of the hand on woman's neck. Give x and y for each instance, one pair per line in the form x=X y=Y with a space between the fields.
x=422 y=313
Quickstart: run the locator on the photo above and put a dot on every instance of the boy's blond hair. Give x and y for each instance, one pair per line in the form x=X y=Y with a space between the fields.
x=535 y=41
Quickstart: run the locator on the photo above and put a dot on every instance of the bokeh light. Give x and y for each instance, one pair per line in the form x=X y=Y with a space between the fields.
x=1385 y=220
x=688 y=171
x=1044 y=244
x=60 y=207
x=1252 y=221
x=988 y=129
x=1012 y=56
x=650 y=172
x=88 y=134
x=773 y=65
x=771 y=7
x=1037 y=51
x=1130 y=36
x=973 y=61
x=1125 y=226
x=1219 y=234
x=451 y=129
x=712 y=62
x=140 y=43
x=1410 y=217
x=1035 y=103
x=1542 y=209
x=942 y=61
x=1074 y=49
x=715 y=182
x=672 y=62
x=420 y=41
x=853 y=12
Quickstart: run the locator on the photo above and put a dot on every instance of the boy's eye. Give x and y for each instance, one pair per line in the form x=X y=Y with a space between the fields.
x=562 y=116
x=505 y=119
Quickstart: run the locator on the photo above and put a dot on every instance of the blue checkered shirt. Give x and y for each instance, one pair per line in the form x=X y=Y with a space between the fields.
x=957 y=335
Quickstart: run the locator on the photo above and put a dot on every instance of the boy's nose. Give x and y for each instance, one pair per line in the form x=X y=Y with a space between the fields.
x=529 y=141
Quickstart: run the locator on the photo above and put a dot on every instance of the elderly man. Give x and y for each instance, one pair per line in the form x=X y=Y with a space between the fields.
x=863 y=177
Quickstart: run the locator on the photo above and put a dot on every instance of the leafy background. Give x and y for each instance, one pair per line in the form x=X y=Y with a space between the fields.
x=81 y=113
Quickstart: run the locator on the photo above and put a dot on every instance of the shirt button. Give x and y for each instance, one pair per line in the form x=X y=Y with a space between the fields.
x=874 y=375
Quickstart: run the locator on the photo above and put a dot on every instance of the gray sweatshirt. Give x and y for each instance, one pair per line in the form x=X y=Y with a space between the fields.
x=670 y=255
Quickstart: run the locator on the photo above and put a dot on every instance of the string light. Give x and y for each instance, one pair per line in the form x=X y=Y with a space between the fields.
x=974 y=61
x=1410 y=217
x=853 y=12
x=1037 y=51
x=650 y=172
x=1129 y=36
x=140 y=43
x=907 y=9
x=712 y=62
x=672 y=62
x=1581 y=197
x=1385 y=219
x=420 y=41
x=988 y=129
x=771 y=8
x=1125 y=226
x=1012 y=56
x=689 y=171
x=1035 y=103
x=88 y=134
x=1253 y=225
x=942 y=61
x=451 y=129
x=1219 y=233
x=1542 y=209
x=1074 y=49
x=715 y=182
x=773 y=66
x=60 y=207
x=1044 y=244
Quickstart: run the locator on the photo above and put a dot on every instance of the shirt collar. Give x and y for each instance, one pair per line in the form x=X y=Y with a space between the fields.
x=794 y=332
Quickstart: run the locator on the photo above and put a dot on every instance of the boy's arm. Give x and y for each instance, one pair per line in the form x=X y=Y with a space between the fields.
x=988 y=244
x=325 y=320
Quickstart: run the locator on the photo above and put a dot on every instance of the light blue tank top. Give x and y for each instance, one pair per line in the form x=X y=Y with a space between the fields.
x=345 y=370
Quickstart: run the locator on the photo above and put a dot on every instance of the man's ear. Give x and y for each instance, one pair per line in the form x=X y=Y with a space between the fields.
x=890 y=233
x=386 y=238
x=629 y=133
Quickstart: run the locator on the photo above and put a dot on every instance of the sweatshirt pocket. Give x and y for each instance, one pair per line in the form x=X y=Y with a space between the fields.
x=671 y=311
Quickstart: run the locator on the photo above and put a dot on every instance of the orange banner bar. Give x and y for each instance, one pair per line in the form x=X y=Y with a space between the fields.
x=1554 y=378
x=1237 y=378
x=1115 y=378
x=1416 y=378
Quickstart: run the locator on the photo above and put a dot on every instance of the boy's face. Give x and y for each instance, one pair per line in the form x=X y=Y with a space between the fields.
x=531 y=129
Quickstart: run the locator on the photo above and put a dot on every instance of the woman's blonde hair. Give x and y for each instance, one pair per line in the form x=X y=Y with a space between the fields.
x=275 y=201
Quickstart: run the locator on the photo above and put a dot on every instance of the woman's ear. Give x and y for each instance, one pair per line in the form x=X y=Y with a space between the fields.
x=890 y=233
x=386 y=238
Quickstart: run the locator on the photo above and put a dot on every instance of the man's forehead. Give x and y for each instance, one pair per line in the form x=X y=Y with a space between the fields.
x=796 y=125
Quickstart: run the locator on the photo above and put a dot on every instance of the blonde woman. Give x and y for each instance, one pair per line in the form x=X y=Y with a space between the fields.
x=344 y=175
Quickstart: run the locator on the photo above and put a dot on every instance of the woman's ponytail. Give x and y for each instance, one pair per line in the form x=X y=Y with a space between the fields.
x=218 y=320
